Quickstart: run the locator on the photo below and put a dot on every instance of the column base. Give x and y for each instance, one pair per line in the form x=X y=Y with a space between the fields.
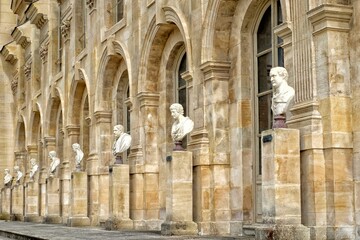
x=78 y=221
x=282 y=232
x=33 y=218
x=53 y=219
x=16 y=217
x=179 y=228
x=119 y=224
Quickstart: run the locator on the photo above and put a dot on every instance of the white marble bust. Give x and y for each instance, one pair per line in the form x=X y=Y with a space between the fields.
x=122 y=140
x=283 y=94
x=79 y=154
x=19 y=174
x=54 y=163
x=34 y=168
x=7 y=177
x=182 y=125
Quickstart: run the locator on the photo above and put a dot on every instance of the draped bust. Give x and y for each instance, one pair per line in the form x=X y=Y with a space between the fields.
x=19 y=174
x=122 y=140
x=54 y=163
x=34 y=168
x=7 y=177
x=182 y=125
x=283 y=94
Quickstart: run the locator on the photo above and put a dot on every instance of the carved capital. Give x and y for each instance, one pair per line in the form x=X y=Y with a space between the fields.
x=73 y=130
x=216 y=70
x=15 y=82
x=103 y=116
x=148 y=99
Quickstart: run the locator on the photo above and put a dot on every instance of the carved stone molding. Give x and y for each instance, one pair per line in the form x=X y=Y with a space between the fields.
x=15 y=82
x=216 y=70
x=27 y=69
x=103 y=116
x=148 y=99
x=90 y=4
x=44 y=48
x=65 y=29
x=73 y=130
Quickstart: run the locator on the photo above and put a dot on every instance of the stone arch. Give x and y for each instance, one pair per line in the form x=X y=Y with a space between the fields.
x=113 y=55
x=221 y=20
x=35 y=123
x=54 y=105
x=21 y=136
x=78 y=90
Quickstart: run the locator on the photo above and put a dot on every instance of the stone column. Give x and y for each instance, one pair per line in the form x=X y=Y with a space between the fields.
x=281 y=189
x=32 y=213
x=216 y=103
x=119 y=198
x=149 y=103
x=331 y=24
x=179 y=198
x=6 y=202
x=68 y=165
x=100 y=170
x=53 y=200
x=17 y=202
x=79 y=200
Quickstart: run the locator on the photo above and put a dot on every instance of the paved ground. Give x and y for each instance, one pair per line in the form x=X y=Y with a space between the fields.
x=23 y=230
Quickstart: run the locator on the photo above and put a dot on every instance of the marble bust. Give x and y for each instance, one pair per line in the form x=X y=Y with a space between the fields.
x=19 y=173
x=7 y=177
x=182 y=125
x=79 y=155
x=54 y=163
x=121 y=144
x=283 y=95
x=34 y=168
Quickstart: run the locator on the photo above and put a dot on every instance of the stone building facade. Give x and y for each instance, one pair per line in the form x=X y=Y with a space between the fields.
x=71 y=70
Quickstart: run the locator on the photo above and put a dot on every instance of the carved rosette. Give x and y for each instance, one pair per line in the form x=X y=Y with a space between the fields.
x=27 y=70
x=90 y=4
x=44 y=48
x=65 y=29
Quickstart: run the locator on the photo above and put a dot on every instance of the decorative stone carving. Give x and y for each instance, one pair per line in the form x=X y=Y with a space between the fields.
x=283 y=96
x=34 y=168
x=44 y=48
x=19 y=174
x=79 y=155
x=27 y=70
x=54 y=163
x=121 y=144
x=182 y=125
x=7 y=178
x=90 y=4
x=65 y=29
x=15 y=82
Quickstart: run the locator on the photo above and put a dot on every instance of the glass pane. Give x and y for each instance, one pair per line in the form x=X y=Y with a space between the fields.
x=259 y=160
x=264 y=32
x=280 y=57
x=264 y=67
x=279 y=16
x=265 y=113
x=182 y=98
x=182 y=68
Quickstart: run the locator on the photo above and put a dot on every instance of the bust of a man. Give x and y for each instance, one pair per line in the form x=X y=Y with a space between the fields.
x=34 y=168
x=283 y=94
x=55 y=161
x=121 y=144
x=7 y=177
x=182 y=125
x=19 y=174
x=79 y=155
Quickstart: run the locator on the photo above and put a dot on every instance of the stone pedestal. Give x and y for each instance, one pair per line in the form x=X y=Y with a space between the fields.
x=17 y=199
x=79 y=200
x=5 y=203
x=281 y=189
x=179 y=196
x=32 y=213
x=53 y=200
x=119 y=199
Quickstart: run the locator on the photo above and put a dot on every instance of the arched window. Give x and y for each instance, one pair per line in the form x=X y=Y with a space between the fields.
x=181 y=91
x=268 y=54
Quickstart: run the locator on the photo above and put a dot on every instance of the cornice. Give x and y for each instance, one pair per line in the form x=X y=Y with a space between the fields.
x=37 y=14
x=21 y=34
x=9 y=53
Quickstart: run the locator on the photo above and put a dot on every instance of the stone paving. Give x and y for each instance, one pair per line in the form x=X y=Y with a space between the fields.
x=24 y=230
